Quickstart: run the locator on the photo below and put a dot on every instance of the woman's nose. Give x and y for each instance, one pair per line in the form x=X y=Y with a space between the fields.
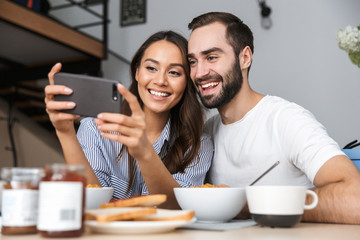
x=161 y=79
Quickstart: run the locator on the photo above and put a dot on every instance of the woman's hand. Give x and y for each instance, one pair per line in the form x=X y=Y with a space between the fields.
x=63 y=122
x=128 y=130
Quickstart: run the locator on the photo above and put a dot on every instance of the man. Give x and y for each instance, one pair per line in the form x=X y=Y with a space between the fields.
x=253 y=131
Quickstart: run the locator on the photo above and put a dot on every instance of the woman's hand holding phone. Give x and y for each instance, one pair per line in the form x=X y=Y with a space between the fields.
x=63 y=122
x=128 y=130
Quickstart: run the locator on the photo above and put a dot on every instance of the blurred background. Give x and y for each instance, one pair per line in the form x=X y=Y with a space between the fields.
x=296 y=57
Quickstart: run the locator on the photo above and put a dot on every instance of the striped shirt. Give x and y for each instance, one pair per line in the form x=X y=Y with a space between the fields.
x=101 y=154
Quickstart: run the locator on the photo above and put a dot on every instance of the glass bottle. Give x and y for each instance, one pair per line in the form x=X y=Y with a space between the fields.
x=20 y=199
x=62 y=201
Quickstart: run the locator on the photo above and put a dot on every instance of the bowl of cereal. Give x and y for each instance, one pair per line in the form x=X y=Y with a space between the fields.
x=212 y=203
x=96 y=195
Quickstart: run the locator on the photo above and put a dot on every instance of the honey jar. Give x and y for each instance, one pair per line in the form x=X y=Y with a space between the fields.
x=20 y=199
x=62 y=201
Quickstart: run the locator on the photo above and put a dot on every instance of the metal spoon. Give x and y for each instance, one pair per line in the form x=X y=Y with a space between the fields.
x=274 y=165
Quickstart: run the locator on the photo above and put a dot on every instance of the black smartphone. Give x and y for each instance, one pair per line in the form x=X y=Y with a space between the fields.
x=92 y=95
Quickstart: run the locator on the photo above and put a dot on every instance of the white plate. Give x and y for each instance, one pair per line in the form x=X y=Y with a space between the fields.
x=135 y=227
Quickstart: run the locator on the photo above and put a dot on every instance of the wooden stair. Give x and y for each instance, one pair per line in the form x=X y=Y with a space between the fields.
x=28 y=98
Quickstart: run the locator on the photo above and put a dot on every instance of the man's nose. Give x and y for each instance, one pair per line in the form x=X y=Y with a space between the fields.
x=200 y=70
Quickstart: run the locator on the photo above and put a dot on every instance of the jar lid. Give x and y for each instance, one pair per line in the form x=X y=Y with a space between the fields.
x=21 y=173
x=62 y=167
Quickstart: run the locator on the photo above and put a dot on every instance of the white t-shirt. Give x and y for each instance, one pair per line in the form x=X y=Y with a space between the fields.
x=274 y=130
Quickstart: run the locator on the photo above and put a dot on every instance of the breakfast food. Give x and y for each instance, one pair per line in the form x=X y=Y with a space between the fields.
x=208 y=185
x=93 y=186
x=168 y=215
x=137 y=208
x=137 y=214
x=117 y=214
x=137 y=201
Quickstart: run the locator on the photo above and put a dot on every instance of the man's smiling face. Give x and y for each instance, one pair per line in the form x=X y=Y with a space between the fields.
x=214 y=68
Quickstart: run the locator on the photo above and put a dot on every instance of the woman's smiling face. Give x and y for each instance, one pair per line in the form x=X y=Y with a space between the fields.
x=161 y=77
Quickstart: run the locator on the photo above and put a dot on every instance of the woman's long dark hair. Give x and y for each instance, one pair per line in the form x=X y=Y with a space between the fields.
x=186 y=117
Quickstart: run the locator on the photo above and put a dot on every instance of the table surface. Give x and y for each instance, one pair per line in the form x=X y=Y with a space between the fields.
x=299 y=231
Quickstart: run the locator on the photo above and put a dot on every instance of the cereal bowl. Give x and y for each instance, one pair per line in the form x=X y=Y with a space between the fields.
x=214 y=204
x=97 y=195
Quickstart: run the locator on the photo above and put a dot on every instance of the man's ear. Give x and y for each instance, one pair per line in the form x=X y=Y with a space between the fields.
x=245 y=57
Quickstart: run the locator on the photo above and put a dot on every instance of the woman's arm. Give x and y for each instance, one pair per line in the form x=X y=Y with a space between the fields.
x=64 y=125
x=74 y=154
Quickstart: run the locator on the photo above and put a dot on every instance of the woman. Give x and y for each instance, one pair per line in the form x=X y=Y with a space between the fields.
x=157 y=143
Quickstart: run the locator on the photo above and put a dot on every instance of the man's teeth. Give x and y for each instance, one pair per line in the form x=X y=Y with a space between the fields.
x=210 y=84
x=159 y=94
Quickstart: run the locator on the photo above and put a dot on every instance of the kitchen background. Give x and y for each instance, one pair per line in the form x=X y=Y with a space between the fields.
x=297 y=58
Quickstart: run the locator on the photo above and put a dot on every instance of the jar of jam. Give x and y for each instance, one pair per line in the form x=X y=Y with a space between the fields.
x=20 y=199
x=62 y=201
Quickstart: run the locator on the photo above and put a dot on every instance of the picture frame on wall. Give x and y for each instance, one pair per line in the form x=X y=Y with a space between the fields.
x=132 y=12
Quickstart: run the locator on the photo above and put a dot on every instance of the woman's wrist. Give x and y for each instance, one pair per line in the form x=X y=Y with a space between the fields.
x=63 y=133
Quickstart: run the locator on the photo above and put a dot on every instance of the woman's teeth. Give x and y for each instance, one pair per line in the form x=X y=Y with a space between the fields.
x=159 y=94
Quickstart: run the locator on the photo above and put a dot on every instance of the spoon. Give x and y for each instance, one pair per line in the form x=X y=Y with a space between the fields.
x=271 y=168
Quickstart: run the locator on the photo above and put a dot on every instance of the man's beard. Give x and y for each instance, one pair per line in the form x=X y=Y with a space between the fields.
x=230 y=87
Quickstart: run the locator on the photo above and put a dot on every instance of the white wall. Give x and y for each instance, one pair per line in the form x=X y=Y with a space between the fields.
x=297 y=59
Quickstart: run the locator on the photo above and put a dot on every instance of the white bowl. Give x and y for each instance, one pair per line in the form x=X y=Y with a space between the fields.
x=213 y=204
x=97 y=196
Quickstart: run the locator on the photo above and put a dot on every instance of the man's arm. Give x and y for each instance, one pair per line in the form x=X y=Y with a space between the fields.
x=338 y=188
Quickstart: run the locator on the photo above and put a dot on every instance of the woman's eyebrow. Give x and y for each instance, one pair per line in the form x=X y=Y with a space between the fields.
x=177 y=65
x=157 y=62
x=151 y=60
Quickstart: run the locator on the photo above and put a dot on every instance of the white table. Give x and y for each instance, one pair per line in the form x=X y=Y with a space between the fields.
x=300 y=231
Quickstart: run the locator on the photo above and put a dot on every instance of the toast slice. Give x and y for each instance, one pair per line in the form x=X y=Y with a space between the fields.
x=168 y=215
x=138 y=201
x=118 y=214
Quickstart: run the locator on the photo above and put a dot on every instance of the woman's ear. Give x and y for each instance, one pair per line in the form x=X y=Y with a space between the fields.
x=245 y=58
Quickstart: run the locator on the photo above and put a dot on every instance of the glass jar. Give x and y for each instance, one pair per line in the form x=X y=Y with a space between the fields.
x=20 y=199
x=62 y=201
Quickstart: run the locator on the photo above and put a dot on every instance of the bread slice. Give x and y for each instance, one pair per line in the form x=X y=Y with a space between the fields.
x=168 y=215
x=118 y=214
x=138 y=201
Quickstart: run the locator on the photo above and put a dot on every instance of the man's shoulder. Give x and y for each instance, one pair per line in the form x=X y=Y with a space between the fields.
x=270 y=100
x=277 y=104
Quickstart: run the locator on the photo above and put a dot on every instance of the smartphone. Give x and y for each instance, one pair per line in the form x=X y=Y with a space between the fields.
x=92 y=95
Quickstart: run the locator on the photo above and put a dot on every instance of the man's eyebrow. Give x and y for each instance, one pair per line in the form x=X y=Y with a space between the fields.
x=206 y=52
x=211 y=50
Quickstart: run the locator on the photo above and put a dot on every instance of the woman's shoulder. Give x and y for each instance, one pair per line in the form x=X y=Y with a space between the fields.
x=87 y=125
x=205 y=137
x=206 y=142
x=88 y=121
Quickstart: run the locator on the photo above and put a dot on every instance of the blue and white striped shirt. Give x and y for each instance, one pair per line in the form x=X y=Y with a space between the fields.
x=101 y=154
